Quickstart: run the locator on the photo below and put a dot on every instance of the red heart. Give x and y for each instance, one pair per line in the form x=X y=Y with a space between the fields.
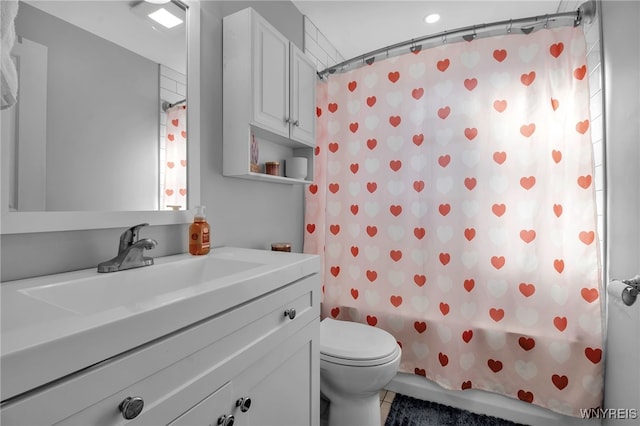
x=444 y=359
x=497 y=261
x=420 y=326
x=528 y=182
x=396 y=300
x=557 y=156
x=352 y=86
x=579 y=73
x=318 y=111
x=444 y=209
x=395 y=210
x=182 y=191
x=169 y=192
x=499 y=55
x=372 y=231
x=470 y=83
x=316 y=151
x=418 y=139
x=419 y=233
x=354 y=293
x=417 y=93
x=555 y=104
x=395 y=120
x=498 y=209
x=444 y=308
x=558 y=264
x=469 y=284
x=355 y=251
x=335 y=271
x=354 y=167
x=444 y=160
x=557 y=210
x=556 y=49
x=371 y=143
x=445 y=258
x=333 y=107
x=335 y=312
x=500 y=106
x=582 y=126
x=560 y=382
x=527 y=130
x=584 y=181
x=420 y=372
x=313 y=188
x=527 y=235
x=183 y=163
x=371 y=101
x=171 y=137
x=420 y=280
x=471 y=133
x=371 y=187
x=334 y=188
x=466 y=385
x=526 y=343
x=527 y=290
x=443 y=65
x=593 y=355
x=467 y=335
x=418 y=185
x=525 y=396
x=589 y=294
x=395 y=255
x=334 y=229
x=311 y=227
x=183 y=133
x=470 y=183
x=444 y=112
x=469 y=233
x=353 y=127
x=175 y=122
x=587 y=237
x=496 y=314
x=171 y=164
x=395 y=165
x=393 y=76
x=372 y=275
x=494 y=365
x=334 y=146
x=560 y=323
x=372 y=320
x=499 y=157
x=354 y=209
x=527 y=79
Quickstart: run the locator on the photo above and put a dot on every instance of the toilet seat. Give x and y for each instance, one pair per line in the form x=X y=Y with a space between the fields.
x=354 y=344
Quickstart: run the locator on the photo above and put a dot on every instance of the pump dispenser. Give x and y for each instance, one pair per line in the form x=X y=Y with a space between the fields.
x=199 y=242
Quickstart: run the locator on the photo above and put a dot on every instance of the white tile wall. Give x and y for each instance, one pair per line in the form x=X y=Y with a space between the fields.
x=318 y=48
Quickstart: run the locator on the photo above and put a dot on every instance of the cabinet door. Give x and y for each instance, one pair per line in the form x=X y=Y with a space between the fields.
x=271 y=78
x=303 y=98
x=284 y=385
x=208 y=411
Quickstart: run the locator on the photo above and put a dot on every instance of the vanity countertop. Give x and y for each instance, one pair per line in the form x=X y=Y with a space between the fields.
x=48 y=331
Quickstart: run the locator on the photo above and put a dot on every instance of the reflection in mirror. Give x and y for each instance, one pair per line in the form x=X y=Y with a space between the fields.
x=100 y=123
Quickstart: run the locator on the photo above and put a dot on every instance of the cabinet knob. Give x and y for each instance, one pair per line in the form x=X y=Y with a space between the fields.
x=287 y=120
x=291 y=313
x=225 y=420
x=296 y=123
x=244 y=404
x=131 y=407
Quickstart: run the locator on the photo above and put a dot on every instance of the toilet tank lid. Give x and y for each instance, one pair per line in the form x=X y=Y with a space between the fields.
x=351 y=340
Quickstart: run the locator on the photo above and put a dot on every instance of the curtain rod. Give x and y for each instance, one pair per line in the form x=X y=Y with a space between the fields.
x=586 y=11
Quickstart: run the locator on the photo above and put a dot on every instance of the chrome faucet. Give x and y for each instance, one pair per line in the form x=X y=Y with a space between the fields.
x=130 y=252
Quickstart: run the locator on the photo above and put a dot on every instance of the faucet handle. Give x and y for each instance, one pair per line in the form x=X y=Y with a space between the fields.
x=130 y=236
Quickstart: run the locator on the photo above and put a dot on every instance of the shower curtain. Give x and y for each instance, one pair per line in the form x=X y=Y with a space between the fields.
x=453 y=206
x=175 y=164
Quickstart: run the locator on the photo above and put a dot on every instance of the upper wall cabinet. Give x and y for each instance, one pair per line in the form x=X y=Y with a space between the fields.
x=269 y=90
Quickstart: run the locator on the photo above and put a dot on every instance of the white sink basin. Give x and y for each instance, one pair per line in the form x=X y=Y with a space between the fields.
x=137 y=288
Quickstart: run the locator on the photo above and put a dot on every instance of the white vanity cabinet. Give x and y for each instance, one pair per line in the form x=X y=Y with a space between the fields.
x=269 y=91
x=256 y=363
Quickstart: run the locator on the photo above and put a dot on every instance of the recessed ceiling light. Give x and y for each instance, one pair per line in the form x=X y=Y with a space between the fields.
x=432 y=18
x=165 y=18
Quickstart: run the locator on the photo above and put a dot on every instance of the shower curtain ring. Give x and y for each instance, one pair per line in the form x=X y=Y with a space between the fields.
x=510 y=25
x=546 y=23
x=444 y=39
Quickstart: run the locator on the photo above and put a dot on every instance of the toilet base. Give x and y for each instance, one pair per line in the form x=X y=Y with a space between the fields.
x=361 y=411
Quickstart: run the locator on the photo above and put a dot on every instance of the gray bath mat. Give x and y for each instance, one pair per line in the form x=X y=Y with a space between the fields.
x=407 y=411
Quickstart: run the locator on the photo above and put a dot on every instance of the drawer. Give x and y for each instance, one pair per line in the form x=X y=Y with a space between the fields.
x=173 y=373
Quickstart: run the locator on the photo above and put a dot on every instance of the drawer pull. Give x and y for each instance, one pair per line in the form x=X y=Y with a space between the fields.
x=226 y=420
x=291 y=313
x=131 y=407
x=244 y=404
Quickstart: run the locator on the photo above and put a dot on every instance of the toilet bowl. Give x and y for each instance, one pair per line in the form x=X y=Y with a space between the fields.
x=356 y=362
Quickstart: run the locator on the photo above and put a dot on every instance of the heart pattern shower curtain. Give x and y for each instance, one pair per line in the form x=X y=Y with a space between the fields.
x=453 y=205
x=175 y=164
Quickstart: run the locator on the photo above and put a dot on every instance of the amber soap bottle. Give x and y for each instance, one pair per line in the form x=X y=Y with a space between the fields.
x=199 y=240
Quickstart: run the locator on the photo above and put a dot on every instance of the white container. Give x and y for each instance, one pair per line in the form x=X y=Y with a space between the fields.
x=296 y=167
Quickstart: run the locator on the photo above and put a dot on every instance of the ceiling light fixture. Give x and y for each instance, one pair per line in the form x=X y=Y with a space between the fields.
x=432 y=18
x=158 y=1
x=165 y=18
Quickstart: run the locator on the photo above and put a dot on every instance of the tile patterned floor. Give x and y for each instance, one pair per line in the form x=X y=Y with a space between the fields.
x=386 y=397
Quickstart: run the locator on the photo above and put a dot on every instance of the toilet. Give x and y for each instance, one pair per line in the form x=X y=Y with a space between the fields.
x=356 y=362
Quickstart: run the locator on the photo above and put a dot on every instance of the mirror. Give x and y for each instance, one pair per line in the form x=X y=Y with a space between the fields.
x=99 y=120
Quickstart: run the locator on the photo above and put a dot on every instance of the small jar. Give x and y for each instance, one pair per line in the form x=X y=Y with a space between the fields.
x=281 y=247
x=272 y=168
